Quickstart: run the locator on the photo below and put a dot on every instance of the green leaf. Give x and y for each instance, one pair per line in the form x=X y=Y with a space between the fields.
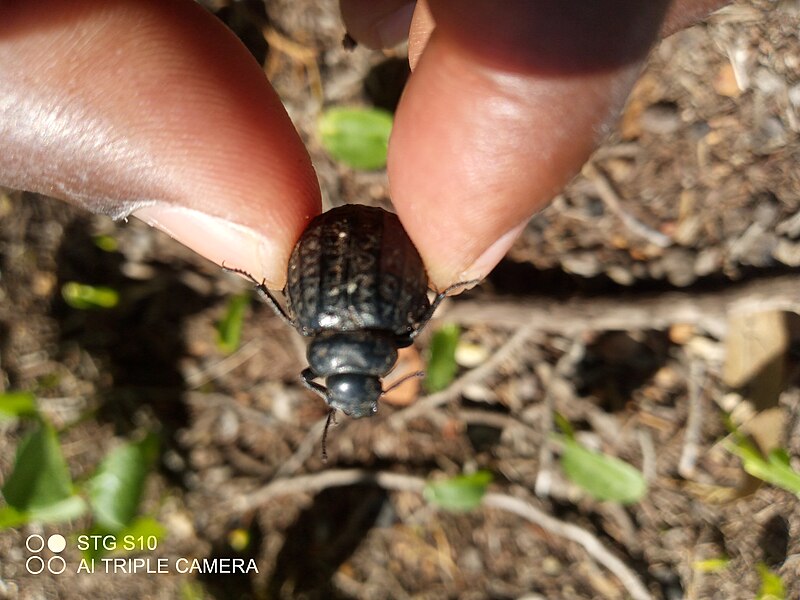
x=142 y=528
x=601 y=476
x=10 y=517
x=17 y=404
x=40 y=478
x=564 y=425
x=66 y=510
x=116 y=487
x=239 y=539
x=106 y=243
x=84 y=296
x=358 y=137
x=711 y=565
x=771 y=584
x=442 y=366
x=229 y=329
x=774 y=469
x=460 y=493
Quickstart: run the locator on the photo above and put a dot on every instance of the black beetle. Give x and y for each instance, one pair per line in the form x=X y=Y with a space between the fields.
x=357 y=286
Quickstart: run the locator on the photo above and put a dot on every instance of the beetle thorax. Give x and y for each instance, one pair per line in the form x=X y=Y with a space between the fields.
x=353 y=363
x=363 y=352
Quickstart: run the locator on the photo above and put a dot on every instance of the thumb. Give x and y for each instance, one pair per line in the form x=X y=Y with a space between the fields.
x=153 y=109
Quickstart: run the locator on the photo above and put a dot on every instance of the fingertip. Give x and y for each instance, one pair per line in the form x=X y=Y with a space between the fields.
x=377 y=23
x=223 y=242
x=489 y=259
x=422 y=26
x=476 y=151
x=150 y=103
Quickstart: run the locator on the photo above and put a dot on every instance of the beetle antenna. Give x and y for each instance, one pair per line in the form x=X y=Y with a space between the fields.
x=331 y=419
x=402 y=380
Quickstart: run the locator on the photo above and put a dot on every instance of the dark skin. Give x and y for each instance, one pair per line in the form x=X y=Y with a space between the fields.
x=152 y=108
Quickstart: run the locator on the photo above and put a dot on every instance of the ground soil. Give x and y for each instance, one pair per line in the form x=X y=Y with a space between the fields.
x=697 y=192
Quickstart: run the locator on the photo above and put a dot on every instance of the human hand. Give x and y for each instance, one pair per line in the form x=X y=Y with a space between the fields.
x=506 y=102
x=154 y=109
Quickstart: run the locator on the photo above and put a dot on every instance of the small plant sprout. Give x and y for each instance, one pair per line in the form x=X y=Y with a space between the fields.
x=357 y=137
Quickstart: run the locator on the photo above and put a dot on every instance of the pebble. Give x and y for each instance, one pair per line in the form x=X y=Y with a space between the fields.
x=469 y=355
x=678 y=265
x=661 y=118
x=769 y=137
x=688 y=231
x=469 y=559
x=523 y=390
x=768 y=82
x=766 y=210
x=725 y=83
x=639 y=270
x=787 y=252
x=42 y=283
x=138 y=271
x=227 y=426
x=551 y=566
x=620 y=275
x=753 y=247
x=477 y=392
x=655 y=269
x=180 y=525
x=681 y=333
x=667 y=377
x=794 y=95
x=707 y=349
x=709 y=260
x=585 y=264
x=790 y=227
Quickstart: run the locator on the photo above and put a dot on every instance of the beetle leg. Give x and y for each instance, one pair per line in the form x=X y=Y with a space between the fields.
x=331 y=419
x=265 y=294
x=308 y=377
x=402 y=380
x=272 y=302
x=435 y=304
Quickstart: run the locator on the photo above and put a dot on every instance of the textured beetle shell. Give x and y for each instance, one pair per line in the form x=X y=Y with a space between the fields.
x=355 y=268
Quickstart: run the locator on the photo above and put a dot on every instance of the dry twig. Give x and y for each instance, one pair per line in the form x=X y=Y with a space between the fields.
x=629 y=312
x=593 y=546
x=306 y=448
x=307 y=57
x=225 y=365
x=649 y=466
x=392 y=481
x=493 y=419
x=694 y=422
x=605 y=189
x=427 y=404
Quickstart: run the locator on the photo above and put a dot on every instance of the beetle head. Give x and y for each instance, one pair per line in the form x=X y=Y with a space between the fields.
x=355 y=394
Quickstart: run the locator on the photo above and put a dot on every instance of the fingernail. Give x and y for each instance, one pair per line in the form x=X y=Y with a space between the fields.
x=493 y=255
x=216 y=239
x=393 y=28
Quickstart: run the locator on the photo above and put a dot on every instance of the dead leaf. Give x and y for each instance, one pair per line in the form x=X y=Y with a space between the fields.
x=755 y=351
x=408 y=362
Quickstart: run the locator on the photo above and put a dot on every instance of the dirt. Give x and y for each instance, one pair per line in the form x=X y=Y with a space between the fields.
x=697 y=191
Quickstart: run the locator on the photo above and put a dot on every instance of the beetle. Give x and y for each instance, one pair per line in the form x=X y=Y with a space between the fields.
x=356 y=286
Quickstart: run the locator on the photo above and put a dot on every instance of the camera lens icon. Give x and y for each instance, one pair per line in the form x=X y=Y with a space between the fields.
x=36 y=564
